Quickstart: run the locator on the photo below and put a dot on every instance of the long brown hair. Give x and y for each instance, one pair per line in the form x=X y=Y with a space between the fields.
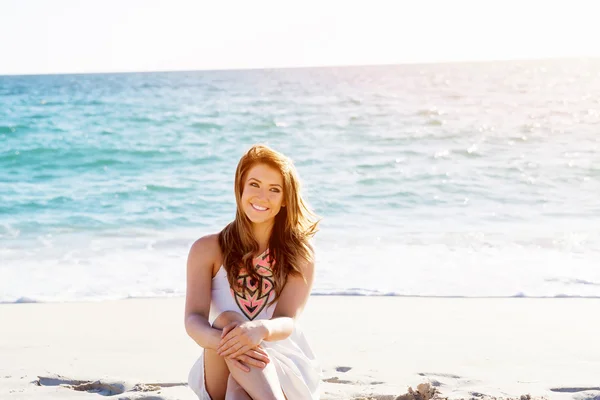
x=294 y=225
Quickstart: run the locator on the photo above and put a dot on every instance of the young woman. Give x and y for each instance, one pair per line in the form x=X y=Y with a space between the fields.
x=247 y=285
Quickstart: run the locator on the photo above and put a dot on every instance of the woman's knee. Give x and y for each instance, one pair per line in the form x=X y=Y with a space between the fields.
x=259 y=383
x=226 y=318
x=235 y=391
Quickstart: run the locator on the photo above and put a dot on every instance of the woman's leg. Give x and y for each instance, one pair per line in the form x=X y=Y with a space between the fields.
x=235 y=391
x=259 y=383
x=216 y=374
x=216 y=371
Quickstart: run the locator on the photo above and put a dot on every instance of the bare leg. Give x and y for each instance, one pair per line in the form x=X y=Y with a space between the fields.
x=235 y=391
x=259 y=383
x=216 y=372
x=227 y=317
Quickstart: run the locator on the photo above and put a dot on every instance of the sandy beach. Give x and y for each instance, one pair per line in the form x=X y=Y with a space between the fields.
x=370 y=347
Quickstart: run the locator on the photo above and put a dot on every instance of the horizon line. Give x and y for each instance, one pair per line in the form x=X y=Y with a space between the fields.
x=474 y=61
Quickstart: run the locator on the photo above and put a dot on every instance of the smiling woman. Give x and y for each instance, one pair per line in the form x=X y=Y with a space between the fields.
x=247 y=285
x=263 y=198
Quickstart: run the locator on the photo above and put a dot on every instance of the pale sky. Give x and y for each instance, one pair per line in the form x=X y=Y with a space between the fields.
x=64 y=36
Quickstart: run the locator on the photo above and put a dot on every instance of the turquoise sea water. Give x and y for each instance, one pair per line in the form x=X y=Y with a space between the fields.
x=475 y=179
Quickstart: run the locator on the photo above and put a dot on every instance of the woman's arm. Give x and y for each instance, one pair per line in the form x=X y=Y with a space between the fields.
x=240 y=337
x=203 y=256
x=290 y=304
x=201 y=260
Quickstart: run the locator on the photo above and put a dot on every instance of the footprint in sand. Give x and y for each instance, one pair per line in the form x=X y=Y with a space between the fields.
x=137 y=391
x=477 y=394
x=336 y=379
x=436 y=379
x=574 y=389
x=441 y=375
x=581 y=393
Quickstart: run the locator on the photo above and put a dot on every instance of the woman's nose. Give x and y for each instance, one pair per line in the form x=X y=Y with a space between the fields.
x=262 y=194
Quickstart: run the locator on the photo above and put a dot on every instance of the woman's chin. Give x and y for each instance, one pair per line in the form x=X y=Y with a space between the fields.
x=257 y=219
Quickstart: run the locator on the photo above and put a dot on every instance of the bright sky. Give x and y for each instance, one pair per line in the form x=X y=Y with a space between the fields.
x=58 y=36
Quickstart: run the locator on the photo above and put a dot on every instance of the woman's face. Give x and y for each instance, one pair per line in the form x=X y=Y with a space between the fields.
x=262 y=194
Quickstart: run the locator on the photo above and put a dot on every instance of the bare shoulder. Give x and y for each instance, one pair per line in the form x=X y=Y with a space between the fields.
x=208 y=243
x=204 y=255
x=205 y=251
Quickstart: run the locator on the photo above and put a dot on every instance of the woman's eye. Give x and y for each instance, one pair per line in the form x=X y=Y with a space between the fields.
x=275 y=190
x=254 y=184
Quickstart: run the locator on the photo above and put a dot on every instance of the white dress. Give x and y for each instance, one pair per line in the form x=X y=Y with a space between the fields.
x=297 y=367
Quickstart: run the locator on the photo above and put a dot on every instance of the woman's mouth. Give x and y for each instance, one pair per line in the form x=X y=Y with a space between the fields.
x=258 y=208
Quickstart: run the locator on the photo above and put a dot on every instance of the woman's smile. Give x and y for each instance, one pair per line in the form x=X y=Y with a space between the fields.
x=258 y=208
x=262 y=196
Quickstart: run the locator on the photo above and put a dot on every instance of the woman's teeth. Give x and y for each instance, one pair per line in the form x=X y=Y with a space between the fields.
x=259 y=208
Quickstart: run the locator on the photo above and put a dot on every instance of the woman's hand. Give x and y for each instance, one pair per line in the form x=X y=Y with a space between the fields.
x=238 y=338
x=257 y=357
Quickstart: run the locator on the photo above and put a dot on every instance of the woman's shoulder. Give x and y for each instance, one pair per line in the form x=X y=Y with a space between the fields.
x=207 y=248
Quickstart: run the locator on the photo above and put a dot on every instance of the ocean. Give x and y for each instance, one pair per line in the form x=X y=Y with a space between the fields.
x=459 y=179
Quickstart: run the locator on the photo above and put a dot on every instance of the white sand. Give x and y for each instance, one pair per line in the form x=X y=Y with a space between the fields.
x=497 y=347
